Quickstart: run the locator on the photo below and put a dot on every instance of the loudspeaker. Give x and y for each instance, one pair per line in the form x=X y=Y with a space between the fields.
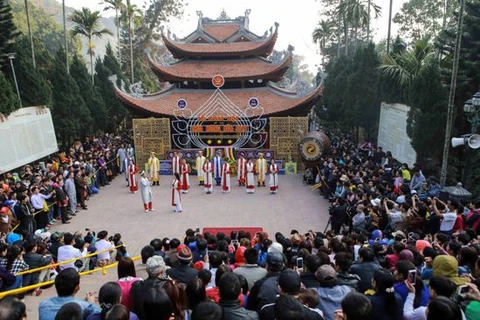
x=458 y=142
x=473 y=141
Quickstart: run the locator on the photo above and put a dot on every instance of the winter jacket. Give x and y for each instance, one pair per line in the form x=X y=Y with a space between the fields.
x=233 y=311
x=264 y=291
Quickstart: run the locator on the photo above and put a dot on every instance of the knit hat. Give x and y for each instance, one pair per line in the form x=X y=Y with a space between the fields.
x=185 y=254
x=289 y=281
x=326 y=274
x=198 y=265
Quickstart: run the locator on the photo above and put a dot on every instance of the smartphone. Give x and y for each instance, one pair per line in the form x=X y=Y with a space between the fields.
x=299 y=263
x=412 y=276
x=197 y=230
x=462 y=290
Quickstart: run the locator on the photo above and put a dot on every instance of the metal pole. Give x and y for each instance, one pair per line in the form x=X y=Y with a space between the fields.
x=30 y=35
x=10 y=57
x=451 y=96
x=389 y=27
x=65 y=36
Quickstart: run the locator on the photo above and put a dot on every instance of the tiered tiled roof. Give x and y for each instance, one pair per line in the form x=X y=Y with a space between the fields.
x=273 y=100
x=226 y=47
x=223 y=31
x=223 y=49
x=231 y=70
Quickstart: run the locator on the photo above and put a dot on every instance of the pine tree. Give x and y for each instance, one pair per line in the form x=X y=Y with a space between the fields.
x=8 y=31
x=34 y=89
x=71 y=117
x=116 y=111
x=7 y=96
x=90 y=93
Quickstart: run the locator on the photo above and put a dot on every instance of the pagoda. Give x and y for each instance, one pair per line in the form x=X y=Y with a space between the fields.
x=222 y=47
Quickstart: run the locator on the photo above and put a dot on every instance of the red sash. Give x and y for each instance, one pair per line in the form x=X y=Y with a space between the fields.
x=207 y=169
x=224 y=176
x=175 y=188
x=185 y=171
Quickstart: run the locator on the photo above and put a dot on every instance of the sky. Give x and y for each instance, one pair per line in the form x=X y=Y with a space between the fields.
x=297 y=19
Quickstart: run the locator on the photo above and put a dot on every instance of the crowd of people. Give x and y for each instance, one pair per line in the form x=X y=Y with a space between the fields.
x=393 y=250
x=54 y=191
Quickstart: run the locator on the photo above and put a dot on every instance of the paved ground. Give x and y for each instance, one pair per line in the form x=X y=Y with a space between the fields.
x=295 y=206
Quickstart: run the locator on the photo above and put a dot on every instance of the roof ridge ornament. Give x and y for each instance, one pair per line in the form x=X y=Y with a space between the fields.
x=200 y=19
x=246 y=20
x=223 y=15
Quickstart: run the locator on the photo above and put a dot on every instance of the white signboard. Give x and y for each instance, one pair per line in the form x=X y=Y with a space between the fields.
x=392 y=132
x=27 y=135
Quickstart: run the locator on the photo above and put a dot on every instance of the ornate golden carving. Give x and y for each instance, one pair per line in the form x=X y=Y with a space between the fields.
x=151 y=135
x=285 y=136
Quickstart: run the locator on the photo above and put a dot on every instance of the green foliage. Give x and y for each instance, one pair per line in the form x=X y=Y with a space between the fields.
x=351 y=96
x=34 y=89
x=424 y=18
x=157 y=13
x=44 y=27
x=8 y=30
x=86 y=23
x=71 y=117
x=7 y=96
x=405 y=66
x=116 y=111
x=468 y=83
x=90 y=94
x=427 y=98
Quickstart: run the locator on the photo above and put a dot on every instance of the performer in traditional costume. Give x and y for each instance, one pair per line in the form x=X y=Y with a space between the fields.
x=132 y=180
x=185 y=176
x=226 y=176
x=208 y=172
x=273 y=170
x=200 y=161
x=176 y=163
x=250 y=181
x=153 y=169
x=131 y=152
x=261 y=169
x=126 y=164
x=217 y=168
x=176 y=199
x=241 y=170
x=146 y=191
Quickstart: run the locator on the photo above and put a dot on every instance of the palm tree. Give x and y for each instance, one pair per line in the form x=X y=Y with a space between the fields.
x=87 y=24
x=357 y=14
x=406 y=66
x=131 y=14
x=322 y=34
x=118 y=6
x=30 y=34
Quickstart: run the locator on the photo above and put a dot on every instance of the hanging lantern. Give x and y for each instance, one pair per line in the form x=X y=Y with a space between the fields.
x=209 y=141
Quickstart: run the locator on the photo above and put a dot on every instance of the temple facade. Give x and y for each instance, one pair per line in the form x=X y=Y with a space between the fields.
x=220 y=88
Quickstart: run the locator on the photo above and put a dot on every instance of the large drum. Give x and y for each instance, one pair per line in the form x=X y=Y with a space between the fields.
x=312 y=146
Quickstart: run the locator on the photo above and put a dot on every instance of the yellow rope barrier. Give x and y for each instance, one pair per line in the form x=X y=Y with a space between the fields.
x=50 y=282
x=66 y=261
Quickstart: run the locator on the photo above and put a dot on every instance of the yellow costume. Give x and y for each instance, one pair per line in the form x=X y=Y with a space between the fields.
x=154 y=168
